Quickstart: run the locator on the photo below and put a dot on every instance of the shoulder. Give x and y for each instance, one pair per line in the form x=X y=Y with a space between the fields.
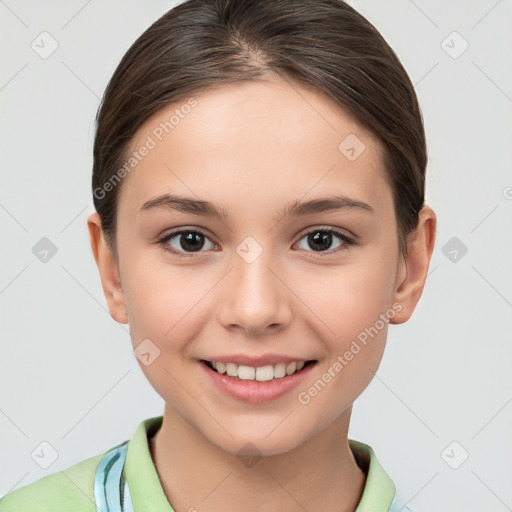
x=69 y=489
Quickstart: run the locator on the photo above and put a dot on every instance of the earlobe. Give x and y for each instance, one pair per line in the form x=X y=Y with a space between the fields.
x=108 y=269
x=414 y=267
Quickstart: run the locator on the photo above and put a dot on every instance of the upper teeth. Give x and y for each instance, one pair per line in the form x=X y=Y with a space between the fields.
x=261 y=373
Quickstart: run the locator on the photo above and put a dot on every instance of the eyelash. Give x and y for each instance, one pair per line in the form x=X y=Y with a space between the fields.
x=347 y=241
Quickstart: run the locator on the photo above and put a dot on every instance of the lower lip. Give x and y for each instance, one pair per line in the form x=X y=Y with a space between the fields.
x=254 y=391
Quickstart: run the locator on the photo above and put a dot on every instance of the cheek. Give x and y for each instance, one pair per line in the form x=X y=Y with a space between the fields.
x=349 y=302
x=161 y=301
x=163 y=307
x=353 y=309
x=348 y=298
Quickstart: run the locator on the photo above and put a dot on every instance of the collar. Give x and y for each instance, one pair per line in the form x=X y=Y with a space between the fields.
x=147 y=492
x=379 y=489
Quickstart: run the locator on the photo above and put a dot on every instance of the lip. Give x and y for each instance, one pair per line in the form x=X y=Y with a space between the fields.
x=256 y=392
x=255 y=361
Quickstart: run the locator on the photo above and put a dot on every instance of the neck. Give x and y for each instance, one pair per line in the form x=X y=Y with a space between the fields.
x=319 y=475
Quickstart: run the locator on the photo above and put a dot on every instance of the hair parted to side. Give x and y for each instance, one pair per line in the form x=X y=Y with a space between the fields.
x=325 y=43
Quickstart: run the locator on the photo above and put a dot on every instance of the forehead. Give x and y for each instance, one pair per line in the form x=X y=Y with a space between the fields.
x=266 y=141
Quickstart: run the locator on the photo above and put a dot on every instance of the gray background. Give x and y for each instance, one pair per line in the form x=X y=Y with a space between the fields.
x=68 y=376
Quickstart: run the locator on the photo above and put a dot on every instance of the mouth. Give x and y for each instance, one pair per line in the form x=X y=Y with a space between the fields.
x=259 y=373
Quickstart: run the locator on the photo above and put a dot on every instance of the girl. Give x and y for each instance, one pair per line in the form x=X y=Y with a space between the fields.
x=259 y=174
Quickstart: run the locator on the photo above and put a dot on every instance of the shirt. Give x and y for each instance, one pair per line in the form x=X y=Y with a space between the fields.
x=72 y=489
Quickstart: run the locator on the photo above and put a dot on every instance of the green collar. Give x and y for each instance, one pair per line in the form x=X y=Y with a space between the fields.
x=379 y=489
x=147 y=493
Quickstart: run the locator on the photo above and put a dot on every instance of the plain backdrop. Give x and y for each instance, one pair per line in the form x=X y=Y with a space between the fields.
x=438 y=414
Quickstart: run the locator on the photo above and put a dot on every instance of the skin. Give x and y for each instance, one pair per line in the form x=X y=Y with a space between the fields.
x=252 y=149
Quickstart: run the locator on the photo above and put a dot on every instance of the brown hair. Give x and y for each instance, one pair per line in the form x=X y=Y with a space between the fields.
x=325 y=43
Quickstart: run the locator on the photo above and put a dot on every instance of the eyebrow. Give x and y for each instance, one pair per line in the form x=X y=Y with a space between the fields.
x=295 y=208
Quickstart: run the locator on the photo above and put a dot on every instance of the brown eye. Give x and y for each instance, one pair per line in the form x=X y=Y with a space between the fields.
x=185 y=241
x=321 y=240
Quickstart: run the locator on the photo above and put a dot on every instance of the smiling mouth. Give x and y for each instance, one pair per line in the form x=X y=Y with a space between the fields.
x=259 y=373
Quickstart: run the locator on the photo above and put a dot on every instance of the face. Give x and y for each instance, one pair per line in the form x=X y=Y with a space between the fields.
x=260 y=283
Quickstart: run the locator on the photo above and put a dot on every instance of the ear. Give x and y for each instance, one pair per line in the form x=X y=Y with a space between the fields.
x=108 y=269
x=413 y=268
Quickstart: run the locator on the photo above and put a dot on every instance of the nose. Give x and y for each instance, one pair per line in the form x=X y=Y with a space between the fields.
x=255 y=296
